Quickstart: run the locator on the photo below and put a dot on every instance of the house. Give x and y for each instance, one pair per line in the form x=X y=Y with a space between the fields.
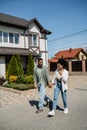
x=21 y=36
x=85 y=49
x=76 y=54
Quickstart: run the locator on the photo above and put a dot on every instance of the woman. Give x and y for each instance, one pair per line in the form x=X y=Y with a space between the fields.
x=60 y=82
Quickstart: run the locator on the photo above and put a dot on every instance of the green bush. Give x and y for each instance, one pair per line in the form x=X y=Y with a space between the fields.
x=12 y=67
x=22 y=86
x=22 y=83
x=20 y=67
x=30 y=65
x=29 y=79
x=20 y=80
x=8 y=85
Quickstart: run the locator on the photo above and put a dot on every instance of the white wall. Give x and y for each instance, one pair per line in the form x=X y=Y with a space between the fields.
x=82 y=54
x=23 y=41
x=14 y=30
x=2 y=66
x=42 y=42
x=43 y=48
x=34 y=28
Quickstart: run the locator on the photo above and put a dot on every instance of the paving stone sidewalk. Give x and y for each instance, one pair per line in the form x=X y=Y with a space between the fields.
x=20 y=114
x=9 y=96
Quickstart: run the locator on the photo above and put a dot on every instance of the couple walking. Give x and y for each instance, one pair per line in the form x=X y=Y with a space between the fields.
x=41 y=80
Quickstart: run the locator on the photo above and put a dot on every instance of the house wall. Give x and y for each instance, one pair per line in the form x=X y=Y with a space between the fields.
x=2 y=66
x=43 y=49
x=42 y=43
x=21 y=37
x=34 y=28
x=81 y=56
x=78 y=66
x=24 y=43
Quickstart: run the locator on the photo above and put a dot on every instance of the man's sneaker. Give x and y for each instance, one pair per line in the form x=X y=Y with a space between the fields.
x=65 y=110
x=48 y=103
x=51 y=113
x=39 y=110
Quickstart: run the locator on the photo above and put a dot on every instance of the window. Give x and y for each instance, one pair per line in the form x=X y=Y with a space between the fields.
x=5 y=37
x=16 y=38
x=82 y=57
x=0 y=36
x=30 y=39
x=11 y=37
x=33 y=39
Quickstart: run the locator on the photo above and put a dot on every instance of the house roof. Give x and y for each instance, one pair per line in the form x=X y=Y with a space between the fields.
x=20 y=22
x=12 y=20
x=43 y=30
x=71 y=53
x=55 y=60
x=15 y=51
x=67 y=54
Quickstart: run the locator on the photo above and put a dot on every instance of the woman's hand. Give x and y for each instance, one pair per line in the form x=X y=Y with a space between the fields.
x=61 y=72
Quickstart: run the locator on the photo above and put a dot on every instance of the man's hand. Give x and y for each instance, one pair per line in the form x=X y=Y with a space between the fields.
x=35 y=85
x=49 y=85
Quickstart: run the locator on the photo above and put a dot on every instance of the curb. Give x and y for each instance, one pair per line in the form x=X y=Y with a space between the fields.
x=11 y=90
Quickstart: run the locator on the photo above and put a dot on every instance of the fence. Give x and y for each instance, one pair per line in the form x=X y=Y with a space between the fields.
x=76 y=66
x=86 y=65
x=73 y=66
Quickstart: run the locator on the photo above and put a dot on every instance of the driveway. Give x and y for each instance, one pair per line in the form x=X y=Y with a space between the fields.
x=17 y=110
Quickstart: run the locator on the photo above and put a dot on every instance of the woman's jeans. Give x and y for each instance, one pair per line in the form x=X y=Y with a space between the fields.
x=42 y=96
x=57 y=90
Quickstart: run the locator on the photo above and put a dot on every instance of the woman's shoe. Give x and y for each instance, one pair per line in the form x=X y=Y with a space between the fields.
x=65 y=110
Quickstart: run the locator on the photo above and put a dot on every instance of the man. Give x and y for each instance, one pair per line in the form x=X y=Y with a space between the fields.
x=41 y=80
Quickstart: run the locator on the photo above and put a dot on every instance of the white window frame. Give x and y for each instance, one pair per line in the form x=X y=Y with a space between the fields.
x=11 y=37
x=32 y=42
x=1 y=36
x=15 y=39
x=8 y=38
x=4 y=37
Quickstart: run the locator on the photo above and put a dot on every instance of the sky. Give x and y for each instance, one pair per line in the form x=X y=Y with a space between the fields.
x=66 y=19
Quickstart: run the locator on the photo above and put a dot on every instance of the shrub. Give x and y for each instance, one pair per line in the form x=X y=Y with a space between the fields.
x=29 y=79
x=12 y=79
x=30 y=65
x=20 y=79
x=12 y=67
x=8 y=85
x=22 y=87
x=20 y=67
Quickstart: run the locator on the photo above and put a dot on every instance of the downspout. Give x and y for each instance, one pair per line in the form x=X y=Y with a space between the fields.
x=45 y=53
x=28 y=41
x=24 y=39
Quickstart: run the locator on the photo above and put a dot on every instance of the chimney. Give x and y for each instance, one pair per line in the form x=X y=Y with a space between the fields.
x=70 y=49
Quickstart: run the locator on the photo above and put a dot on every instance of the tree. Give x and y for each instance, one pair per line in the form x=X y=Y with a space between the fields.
x=30 y=65
x=20 y=67
x=12 y=67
